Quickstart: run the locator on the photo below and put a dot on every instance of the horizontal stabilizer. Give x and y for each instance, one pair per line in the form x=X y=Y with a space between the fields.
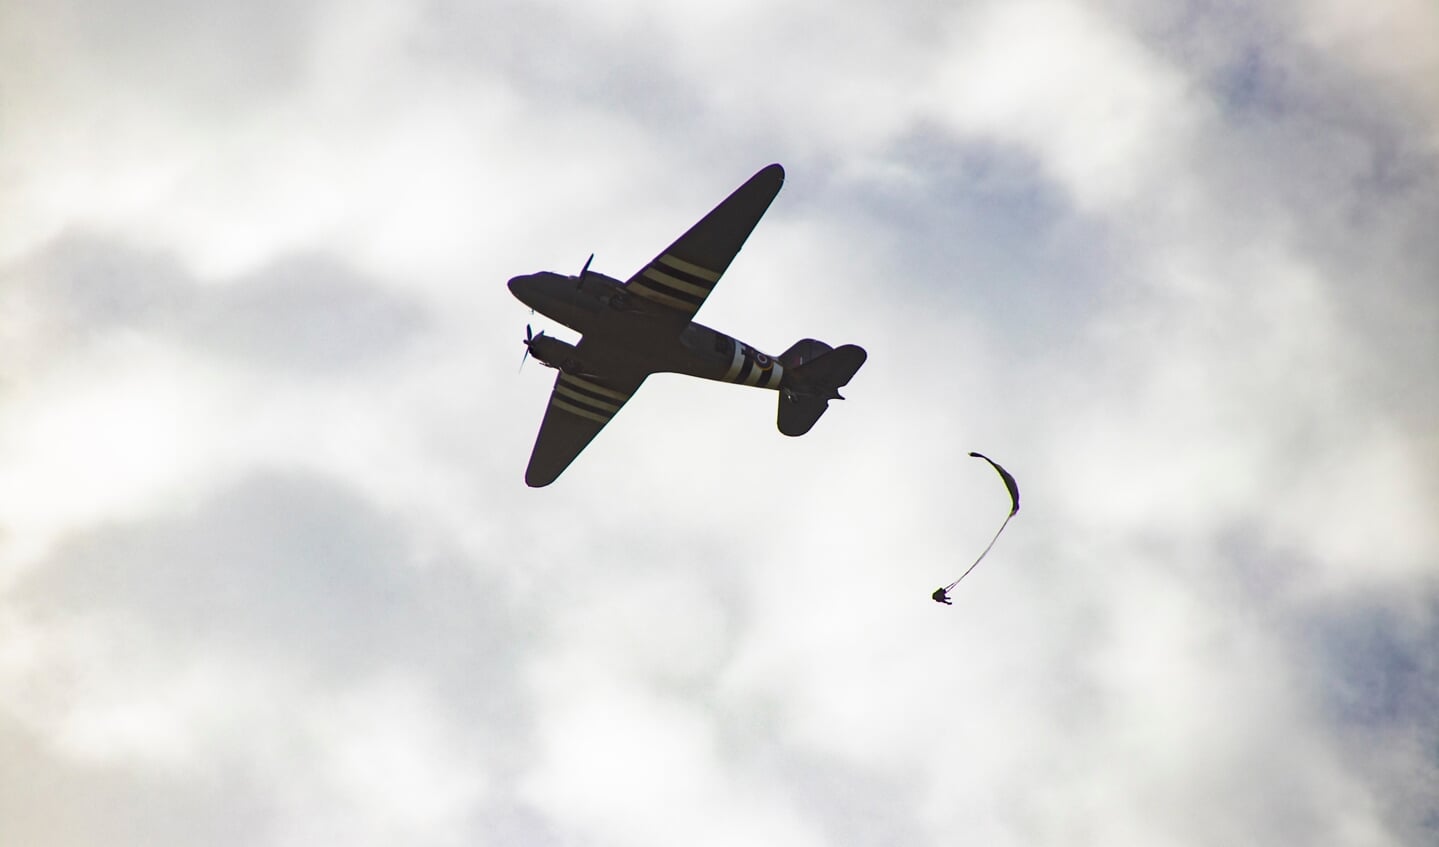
x=798 y=414
x=814 y=383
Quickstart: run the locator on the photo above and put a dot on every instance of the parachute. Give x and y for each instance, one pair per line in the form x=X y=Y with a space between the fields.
x=1008 y=483
x=941 y=595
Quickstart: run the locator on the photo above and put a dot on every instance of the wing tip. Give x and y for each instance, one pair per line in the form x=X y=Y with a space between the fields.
x=771 y=173
x=537 y=475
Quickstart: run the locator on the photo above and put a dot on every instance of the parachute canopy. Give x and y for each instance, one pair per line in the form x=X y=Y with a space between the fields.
x=1008 y=482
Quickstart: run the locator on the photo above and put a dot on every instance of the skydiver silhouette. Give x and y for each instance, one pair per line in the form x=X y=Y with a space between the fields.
x=941 y=596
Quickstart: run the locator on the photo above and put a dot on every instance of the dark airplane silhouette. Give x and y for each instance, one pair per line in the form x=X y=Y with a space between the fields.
x=633 y=329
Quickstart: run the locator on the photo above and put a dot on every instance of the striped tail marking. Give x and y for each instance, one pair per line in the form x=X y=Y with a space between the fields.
x=751 y=367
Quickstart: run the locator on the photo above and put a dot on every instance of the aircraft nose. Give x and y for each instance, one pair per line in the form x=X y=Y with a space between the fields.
x=522 y=288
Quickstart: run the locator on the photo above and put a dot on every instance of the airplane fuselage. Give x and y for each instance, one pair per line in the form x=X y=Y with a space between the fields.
x=618 y=330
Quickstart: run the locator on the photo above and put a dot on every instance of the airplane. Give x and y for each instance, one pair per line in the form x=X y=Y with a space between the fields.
x=646 y=325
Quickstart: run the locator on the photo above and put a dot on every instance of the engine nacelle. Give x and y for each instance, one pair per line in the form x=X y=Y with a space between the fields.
x=554 y=353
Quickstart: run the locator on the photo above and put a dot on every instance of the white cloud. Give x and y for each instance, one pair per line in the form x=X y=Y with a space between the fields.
x=100 y=439
x=1389 y=45
x=1105 y=117
x=262 y=439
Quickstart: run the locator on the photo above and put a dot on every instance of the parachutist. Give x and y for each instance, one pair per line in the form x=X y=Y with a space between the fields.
x=942 y=595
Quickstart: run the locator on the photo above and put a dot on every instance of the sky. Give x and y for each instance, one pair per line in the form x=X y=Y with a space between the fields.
x=270 y=575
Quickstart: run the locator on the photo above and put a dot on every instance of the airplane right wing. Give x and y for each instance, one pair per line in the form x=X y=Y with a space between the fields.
x=678 y=280
x=580 y=406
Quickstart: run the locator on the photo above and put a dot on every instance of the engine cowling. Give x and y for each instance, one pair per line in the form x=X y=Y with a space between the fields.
x=554 y=353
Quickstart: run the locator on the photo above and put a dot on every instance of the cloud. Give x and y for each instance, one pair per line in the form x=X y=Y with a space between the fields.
x=281 y=638
x=267 y=553
x=116 y=397
x=301 y=313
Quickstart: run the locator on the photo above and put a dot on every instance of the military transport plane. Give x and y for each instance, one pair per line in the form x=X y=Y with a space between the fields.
x=633 y=329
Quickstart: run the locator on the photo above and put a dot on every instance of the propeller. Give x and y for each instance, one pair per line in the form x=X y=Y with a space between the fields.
x=580 y=280
x=529 y=342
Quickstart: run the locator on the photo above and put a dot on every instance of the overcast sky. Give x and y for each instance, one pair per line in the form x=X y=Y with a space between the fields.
x=270 y=575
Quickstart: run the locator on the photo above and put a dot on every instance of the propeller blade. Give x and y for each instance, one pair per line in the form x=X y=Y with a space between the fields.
x=529 y=336
x=580 y=280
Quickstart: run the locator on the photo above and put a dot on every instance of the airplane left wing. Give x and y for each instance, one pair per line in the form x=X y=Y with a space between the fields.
x=580 y=406
x=678 y=280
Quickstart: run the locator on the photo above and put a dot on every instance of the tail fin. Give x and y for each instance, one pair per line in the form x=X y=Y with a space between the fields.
x=803 y=350
x=814 y=373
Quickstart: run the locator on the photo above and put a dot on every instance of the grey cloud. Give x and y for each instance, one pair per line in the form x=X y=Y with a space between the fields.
x=1378 y=669
x=311 y=310
x=310 y=313
x=1375 y=667
x=850 y=805
x=208 y=60
x=294 y=568
x=978 y=229
x=547 y=51
x=1312 y=158
x=287 y=572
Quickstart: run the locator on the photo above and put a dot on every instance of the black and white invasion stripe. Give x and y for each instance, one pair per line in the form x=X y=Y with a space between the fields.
x=586 y=398
x=751 y=367
x=675 y=283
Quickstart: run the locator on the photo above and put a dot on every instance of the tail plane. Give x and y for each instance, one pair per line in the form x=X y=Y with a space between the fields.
x=814 y=373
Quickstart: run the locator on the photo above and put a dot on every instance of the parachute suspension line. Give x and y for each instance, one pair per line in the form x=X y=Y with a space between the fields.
x=951 y=586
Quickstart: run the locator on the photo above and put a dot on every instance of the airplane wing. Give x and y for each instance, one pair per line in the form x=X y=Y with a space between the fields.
x=679 y=279
x=580 y=406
